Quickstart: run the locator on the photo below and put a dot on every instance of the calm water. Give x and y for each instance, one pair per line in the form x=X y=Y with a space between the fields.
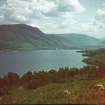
x=22 y=62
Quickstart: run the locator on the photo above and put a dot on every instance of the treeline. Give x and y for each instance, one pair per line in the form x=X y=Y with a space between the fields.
x=33 y=80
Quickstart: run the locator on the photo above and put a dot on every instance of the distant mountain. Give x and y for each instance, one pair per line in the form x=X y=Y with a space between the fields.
x=102 y=43
x=78 y=40
x=24 y=37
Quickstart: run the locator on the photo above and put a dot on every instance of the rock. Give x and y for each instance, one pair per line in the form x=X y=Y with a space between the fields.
x=100 y=87
x=67 y=92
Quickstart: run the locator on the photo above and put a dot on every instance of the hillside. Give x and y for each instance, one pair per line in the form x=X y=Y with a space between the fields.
x=78 y=40
x=24 y=37
x=102 y=42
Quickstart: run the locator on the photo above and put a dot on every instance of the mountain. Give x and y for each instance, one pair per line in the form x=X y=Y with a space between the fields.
x=78 y=40
x=102 y=42
x=24 y=37
x=20 y=36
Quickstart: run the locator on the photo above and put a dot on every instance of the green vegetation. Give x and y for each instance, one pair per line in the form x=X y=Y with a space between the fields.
x=65 y=86
x=24 y=37
x=82 y=92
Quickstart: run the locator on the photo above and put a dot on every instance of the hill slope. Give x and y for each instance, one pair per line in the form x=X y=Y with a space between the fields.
x=24 y=37
x=73 y=40
x=102 y=42
x=21 y=37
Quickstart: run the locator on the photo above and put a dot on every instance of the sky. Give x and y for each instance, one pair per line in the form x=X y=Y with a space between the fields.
x=57 y=16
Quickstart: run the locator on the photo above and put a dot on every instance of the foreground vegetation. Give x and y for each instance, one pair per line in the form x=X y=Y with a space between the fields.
x=65 y=86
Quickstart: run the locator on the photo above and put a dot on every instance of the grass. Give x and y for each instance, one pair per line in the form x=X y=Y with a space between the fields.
x=82 y=92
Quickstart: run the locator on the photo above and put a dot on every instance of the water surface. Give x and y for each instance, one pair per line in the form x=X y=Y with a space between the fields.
x=22 y=62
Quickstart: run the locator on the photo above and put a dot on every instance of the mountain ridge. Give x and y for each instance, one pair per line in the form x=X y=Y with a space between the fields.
x=23 y=37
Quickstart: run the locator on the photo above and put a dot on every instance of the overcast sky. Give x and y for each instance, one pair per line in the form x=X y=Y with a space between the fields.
x=57 y=16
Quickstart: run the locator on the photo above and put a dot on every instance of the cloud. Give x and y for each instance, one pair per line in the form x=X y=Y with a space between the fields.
x=75 y=4
x=58 y=25
x=100 y=14
x=96 y=26
x=63 y=6
x=100 y=20
x=24 y=11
